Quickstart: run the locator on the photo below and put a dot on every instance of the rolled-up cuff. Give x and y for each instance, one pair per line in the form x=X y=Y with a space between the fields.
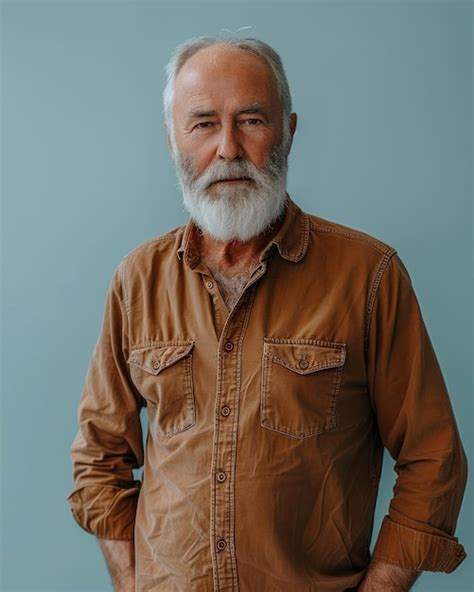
x=106 y=511
x=406 y=547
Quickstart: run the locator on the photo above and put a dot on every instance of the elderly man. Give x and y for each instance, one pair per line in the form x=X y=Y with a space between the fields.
x=277 y=354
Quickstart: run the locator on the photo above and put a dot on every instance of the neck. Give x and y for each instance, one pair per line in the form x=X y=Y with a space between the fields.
x=233 y=256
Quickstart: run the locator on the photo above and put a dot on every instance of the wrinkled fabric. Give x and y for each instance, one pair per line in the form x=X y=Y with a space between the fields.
x=267 y=423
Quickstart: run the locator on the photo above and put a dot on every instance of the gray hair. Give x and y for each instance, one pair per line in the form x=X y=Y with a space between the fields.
x=258 y=48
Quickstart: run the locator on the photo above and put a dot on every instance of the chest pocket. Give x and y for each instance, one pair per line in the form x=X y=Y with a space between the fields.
x=163 y=374
x=301 y=380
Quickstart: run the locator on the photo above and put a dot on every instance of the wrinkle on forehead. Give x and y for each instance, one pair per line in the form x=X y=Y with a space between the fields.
x=213 y=59
x=221 y=52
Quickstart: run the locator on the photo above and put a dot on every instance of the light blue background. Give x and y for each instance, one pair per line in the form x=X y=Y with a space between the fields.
x=384 y=97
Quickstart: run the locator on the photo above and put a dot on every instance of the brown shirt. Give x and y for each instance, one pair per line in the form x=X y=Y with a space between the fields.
x=267 y=423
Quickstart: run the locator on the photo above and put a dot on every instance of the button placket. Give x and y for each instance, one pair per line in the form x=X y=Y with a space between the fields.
x=222 y=508
x=225 y=449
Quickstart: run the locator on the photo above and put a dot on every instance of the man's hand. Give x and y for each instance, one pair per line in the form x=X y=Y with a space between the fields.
x=384 y=577
x=120 y=559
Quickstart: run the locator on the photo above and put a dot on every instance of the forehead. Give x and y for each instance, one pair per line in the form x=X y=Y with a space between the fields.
x=218 y=76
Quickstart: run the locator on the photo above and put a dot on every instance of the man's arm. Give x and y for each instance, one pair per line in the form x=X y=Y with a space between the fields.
x=120 y=559
x=389 y=578
x=108 y=444
x=417 y=426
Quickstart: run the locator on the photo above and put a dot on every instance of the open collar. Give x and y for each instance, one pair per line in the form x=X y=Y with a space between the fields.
x=291 y=239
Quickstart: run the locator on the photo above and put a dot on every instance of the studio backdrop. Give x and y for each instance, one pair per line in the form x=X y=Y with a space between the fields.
x=383 y=91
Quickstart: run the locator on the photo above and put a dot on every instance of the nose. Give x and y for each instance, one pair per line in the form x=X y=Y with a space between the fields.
x=229 y=147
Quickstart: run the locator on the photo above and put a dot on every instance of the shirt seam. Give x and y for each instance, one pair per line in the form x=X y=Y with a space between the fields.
x=387 y=256
x=123 y=281
x=295 y=254
x=356 y=236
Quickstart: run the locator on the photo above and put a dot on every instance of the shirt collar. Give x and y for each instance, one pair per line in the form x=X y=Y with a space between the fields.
x=291 y=239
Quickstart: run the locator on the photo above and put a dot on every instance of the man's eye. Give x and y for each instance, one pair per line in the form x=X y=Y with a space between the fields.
x=204 y=124
x=252 y=122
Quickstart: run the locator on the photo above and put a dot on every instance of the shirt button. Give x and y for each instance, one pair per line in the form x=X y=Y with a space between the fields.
x=229 y=346
x=210 y=285
x=221 y=545
x=225 y=411
x=221 y=476
x=303 y=364
x=156 y=365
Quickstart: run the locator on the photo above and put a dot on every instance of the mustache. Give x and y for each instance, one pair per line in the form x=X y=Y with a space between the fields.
x=223 y=171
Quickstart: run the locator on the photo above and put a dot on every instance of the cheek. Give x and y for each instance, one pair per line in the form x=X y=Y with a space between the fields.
x=259 y=154
x=258 y=146
x=202 y=154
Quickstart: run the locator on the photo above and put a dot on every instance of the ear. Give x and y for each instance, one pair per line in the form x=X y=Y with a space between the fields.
x=168 y=141
x=293 y=123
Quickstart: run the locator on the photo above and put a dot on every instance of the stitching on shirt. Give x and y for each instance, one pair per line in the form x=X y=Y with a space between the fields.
x=370 y=304
x=150 y=344
x=314 y=430
x=170 y=362
x=304 y=238
x=359 y=236
x=187 y=372
x=265 y=389
x=125 y=290
x=303 y=242
x=238 y=381
x=419 y=538
x=268 y=358
x=322 y=342
x=314 y=368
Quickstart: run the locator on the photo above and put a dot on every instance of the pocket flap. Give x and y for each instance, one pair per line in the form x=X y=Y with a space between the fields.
x=155 y=358
x=305 y=357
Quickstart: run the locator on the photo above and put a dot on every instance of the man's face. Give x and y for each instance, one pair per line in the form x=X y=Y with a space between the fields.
x=229 y=143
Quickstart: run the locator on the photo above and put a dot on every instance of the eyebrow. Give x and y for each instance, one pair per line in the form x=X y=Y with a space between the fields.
x=252 y=108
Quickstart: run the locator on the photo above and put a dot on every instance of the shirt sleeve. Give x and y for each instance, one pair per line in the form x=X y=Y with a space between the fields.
x=108 y=444
x=417 y=425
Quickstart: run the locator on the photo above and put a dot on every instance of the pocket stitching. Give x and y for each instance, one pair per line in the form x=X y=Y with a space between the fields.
x=160 y=345
x=188 y=381
x=265 y=384
x=315 y=368
x=189 y=399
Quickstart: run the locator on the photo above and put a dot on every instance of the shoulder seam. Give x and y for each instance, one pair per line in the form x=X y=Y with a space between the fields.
x=362 y=237
x=373 y=292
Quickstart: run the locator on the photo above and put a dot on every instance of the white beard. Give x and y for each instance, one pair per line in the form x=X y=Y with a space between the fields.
x=235 y=211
